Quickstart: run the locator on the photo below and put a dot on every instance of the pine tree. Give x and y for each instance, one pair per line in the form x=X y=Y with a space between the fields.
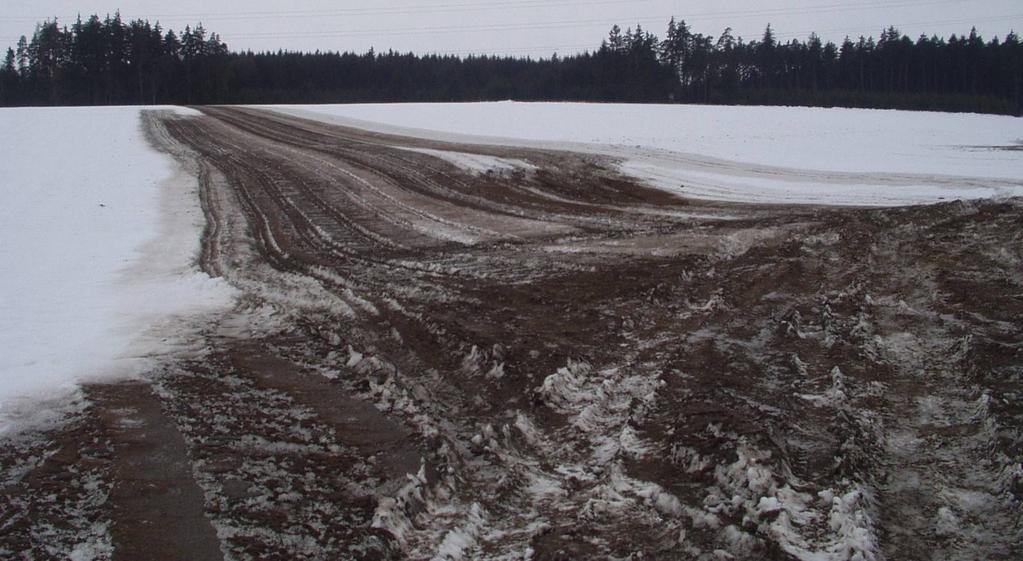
x=727 y=67
x=814 y=60
x=22 y=55
x=47 y=59
x=676 y=50
x=1013 y=67
x=9 y=61
x=615 y=40
x=767 y=57
x=8 y=78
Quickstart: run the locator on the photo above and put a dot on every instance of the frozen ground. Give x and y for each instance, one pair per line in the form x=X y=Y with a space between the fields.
x=453 y=351
x=753 y=154
x=99 y=236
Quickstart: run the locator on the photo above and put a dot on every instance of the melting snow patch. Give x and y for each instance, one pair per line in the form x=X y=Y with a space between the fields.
x=98 y=545
x=476 y=163
x=601 y=401
x=392 y=513
x=459 y=541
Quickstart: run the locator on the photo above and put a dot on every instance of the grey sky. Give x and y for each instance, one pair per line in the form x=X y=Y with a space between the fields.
x=519 y=27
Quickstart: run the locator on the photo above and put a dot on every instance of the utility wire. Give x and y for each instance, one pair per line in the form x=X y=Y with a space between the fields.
x=647 y=20
x=515 y=27
x=859 y=31
x=392 y=10
x=505 y=4
x=846 y=31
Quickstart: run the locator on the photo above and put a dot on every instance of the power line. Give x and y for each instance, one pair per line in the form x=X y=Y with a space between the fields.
x=407 y=10
x=529 y=4
x=577 y=48
x=506 y=4
x=506 y=27
x=648 y=20
x=580 y=48
x=1010 y=17
x=567 y=23
x=392 y=10
x=549 y=49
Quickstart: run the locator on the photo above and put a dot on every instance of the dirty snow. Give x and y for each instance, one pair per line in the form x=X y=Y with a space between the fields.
x=476 y=163
x=752 y=154
x=97 y=260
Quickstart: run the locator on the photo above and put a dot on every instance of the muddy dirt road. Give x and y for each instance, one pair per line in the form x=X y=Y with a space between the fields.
x=545 y=360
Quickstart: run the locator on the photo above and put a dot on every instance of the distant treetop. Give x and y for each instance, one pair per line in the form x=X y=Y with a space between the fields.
x=107 y=61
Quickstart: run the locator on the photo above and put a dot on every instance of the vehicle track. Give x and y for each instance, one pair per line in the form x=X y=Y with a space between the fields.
x=553 y=361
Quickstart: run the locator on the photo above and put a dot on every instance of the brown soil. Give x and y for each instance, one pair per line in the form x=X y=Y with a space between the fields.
x=550 y=363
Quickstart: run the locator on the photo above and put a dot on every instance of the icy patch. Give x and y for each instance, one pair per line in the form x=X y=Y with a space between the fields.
x=392 y=513
x=529 y=431
x=599 y=401
x=460 y=541
x=479 y=164
x=98 y=544
x=834 y=396
x=833 y=525
x=27 y=417
x=652 y=494
x=736 y=184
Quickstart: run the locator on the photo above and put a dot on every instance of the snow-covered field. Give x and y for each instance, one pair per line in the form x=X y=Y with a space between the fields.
x=98 y=237
x=758 y=154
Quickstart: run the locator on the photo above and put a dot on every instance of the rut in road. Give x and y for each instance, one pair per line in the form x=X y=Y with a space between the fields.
x=547 y=360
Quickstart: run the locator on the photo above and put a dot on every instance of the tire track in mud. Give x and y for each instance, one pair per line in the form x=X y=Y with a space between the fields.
x=156 y=508
x=553 y=362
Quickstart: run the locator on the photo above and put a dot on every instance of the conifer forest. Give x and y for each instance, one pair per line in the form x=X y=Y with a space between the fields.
x=107 y=61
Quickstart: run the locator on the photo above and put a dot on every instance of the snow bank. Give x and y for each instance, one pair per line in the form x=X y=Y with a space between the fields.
x=97 y=260
x=757 y=154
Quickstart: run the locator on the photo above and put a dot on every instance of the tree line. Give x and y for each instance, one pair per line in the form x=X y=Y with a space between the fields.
x=107 y=61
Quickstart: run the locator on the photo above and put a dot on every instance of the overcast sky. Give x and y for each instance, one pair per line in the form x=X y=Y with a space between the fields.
x=518 y=27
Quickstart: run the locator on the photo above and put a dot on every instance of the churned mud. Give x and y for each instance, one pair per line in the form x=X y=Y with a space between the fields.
x=448 y=351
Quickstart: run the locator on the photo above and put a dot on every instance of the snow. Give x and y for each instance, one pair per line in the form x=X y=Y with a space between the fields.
x=461 y=540
x=99 y=235
x=752 y=154
x=476 y=163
